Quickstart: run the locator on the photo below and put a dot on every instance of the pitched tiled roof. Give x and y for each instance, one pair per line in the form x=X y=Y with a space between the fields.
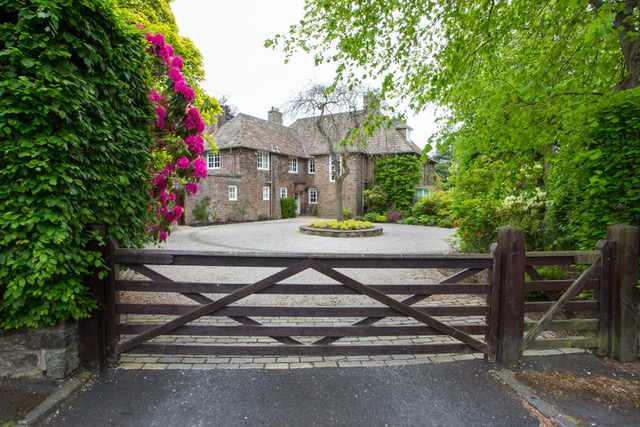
x=302 y=139
x=262 y=135
x=383 y=141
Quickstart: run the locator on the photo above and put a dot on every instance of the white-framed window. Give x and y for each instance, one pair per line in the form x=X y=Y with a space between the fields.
x=312 y=166
x=233 y=192
x=283 y=192
x=263 y=160
x=293 y=165
x=213 y=160
x=265 y=193
x=425 y=190
x=313 y=196
x=332 y=169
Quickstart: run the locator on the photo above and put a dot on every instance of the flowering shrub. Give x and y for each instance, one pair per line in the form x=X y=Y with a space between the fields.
x=178 y=139
x=342 y=225
x=394 y=216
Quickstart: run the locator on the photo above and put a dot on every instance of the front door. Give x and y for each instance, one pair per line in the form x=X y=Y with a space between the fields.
x=297 y=197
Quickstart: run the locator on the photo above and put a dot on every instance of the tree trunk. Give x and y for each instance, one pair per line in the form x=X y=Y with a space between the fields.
x=339 y=206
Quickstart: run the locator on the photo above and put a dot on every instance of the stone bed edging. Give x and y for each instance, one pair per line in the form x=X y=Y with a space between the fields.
x=367 y=232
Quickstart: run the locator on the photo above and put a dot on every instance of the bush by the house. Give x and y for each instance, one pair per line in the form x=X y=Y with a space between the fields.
x=381 y=218
x=76 y=127
x=394 y=216
x=371 y=216
x=288 y=207
x=201 y=210
x=346 y=213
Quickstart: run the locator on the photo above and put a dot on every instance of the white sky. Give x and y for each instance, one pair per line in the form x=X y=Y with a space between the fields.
x=231 y=34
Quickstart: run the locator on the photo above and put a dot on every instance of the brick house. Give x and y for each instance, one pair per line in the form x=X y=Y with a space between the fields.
x=260 y=161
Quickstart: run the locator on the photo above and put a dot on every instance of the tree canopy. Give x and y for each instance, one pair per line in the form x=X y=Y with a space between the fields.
x=517 y=82
x=157 y=17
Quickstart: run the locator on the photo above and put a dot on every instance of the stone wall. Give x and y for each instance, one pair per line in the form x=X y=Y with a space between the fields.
x=352 y=188
x=239 y=167
x=39 y=352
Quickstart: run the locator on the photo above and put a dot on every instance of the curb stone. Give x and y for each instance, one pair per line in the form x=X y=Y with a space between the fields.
x=555 y=416
x=52 y=402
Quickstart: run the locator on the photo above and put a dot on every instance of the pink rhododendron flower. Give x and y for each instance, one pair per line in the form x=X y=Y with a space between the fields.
x=170 y=166
x=191 y=188
x=165 y=172
x=157 y=39
x=163 y=236
x=140 y=26
x=189 y=94
x=177 y=211
x=195 y=143
x=193 y=120
x=200 y=168
x=172 y=197
x=177 y=62
x=181 y=86
x=183 y=163
x=175 y=75
x=160 y=182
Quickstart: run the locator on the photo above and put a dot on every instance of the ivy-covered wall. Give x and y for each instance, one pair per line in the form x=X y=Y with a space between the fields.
x=75 y=124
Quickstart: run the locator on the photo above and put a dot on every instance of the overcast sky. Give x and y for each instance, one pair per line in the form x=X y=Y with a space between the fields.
x=231 y=35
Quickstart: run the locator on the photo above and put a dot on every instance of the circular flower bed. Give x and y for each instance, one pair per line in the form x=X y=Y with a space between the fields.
x=333 y=228
x=342 y=225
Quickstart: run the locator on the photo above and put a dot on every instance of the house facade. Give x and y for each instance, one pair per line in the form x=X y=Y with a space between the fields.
x=260 y=161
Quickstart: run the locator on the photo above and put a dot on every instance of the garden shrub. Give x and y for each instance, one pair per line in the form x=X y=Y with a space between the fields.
x=428 y=219
x=76 y=127
x=201 y=210
x=346 y=213
x=375 y=200
x=445 y=223
x=410 y=220
x=381 y=218
x=288 y=207
x=371 y=216
x=394 y=216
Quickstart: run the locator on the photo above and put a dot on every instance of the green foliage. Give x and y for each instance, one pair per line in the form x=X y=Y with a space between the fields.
x=409 y=221
x=381 y=218
x=445 y=223
x=76 y=125
x=288 y=207
x=346 y=213
x=438 y=205
x=516 y=80
x=397 y=177
x=201 y=210
x=370 y=216
x=156 y=16
x=375 y=199
x=596 y=180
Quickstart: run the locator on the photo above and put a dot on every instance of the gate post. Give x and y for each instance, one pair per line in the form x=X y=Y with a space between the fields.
x=511 y=288
x=623 y=313
x=91 y=330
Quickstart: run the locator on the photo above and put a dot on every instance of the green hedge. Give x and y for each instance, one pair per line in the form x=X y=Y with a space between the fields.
x=75 y=124
x=288 y=207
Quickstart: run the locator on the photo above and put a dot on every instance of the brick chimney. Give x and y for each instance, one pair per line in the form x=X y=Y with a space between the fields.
x=275 y=116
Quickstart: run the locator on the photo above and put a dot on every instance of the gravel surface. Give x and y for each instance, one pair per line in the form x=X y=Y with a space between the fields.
x=283 y=236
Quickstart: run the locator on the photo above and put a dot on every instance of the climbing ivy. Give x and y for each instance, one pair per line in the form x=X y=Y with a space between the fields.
x=75 y=126
x=397 y=177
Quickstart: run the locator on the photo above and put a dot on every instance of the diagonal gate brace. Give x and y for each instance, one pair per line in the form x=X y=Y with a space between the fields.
x=213 y=306
x=399 y=306
x=203 y=299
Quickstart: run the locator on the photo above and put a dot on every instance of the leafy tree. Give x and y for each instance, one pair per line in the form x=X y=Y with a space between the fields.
x=157 y=17
x=514 y=78
x=340 y=121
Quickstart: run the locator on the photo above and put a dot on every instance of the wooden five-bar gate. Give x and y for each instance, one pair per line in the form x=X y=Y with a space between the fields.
x=494 y=323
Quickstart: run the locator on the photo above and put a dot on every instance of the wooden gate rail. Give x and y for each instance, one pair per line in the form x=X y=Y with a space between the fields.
x=141 y=260
x=504 y=334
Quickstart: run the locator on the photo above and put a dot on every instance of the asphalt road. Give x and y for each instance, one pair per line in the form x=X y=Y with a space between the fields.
x=451 y=394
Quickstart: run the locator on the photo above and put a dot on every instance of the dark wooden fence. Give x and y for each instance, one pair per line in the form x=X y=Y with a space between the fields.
x=502 y=329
